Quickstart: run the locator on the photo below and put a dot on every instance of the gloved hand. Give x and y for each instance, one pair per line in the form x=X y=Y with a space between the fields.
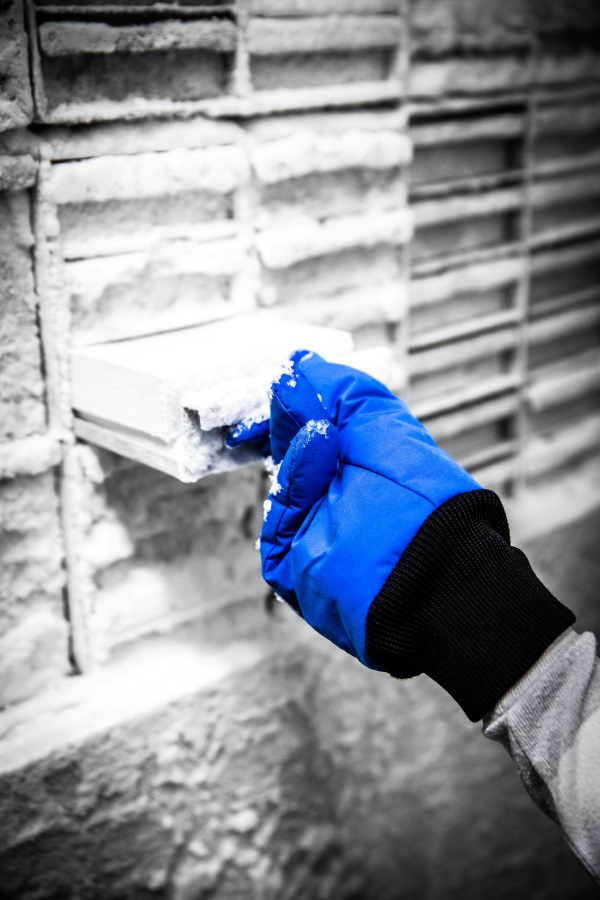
x=386 y=546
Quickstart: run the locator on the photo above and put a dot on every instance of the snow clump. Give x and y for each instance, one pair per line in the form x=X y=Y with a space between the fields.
x=273 y=472
x=320 y=427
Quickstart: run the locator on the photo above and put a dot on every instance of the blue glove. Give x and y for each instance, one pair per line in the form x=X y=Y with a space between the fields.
x=359 y=475
x=388 y=547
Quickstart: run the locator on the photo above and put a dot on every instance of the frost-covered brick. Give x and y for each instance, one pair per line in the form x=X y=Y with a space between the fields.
x=33 y=630
x=440 y=28
x=470 y=75
x=21 y=387
x=332 y=217
x=319 y=268
x=170 y=285
x=156 y=553
x=562 y=272
x=96 y=67
x=465 y=300
x=322 y=50
x=566 y=206
x=465 y=365
x=15 y=91
x=151 y=240
x=457 y=226
x=452 y=151
x=329 y=165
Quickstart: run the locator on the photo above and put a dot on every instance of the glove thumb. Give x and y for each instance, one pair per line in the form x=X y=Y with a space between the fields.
x=306 y=472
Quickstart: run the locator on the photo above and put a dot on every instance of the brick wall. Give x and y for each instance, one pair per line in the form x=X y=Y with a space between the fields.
x=424 y=174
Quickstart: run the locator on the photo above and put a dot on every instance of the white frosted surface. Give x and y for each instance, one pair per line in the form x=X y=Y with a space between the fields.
x=235 y=345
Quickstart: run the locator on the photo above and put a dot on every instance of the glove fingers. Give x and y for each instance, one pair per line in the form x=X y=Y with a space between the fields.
x=249 y=433
x=294 y=403
x=306 y=472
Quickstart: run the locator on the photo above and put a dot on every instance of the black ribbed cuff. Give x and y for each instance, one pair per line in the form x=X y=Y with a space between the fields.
x=464 y=606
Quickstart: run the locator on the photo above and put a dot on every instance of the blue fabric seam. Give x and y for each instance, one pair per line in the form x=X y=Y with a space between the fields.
x=347 y=462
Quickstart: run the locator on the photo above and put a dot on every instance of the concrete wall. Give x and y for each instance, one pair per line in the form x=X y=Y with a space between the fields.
x=424 y=174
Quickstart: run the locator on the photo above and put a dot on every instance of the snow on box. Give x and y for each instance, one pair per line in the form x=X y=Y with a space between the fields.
x=166 y=399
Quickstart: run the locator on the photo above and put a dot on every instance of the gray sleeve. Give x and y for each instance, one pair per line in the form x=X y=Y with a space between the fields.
x=550 y=724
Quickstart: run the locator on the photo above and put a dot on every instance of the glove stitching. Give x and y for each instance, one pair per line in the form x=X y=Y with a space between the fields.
x=288 y=410
x=284 y=506
x=349 y=462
